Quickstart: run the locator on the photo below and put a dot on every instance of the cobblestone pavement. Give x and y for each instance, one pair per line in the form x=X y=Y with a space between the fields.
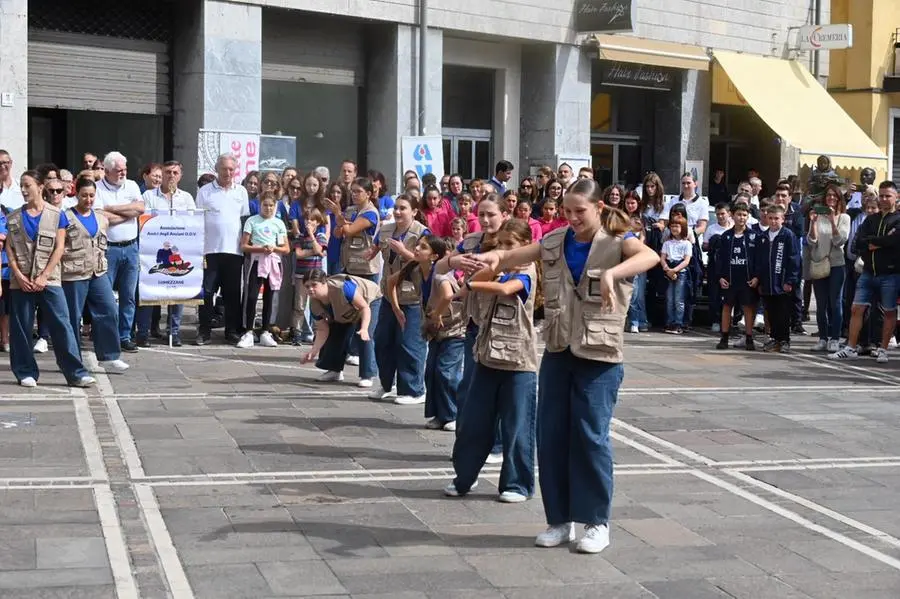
x=215 y=472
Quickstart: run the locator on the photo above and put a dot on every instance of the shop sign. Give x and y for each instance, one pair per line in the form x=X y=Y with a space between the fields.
x=423 y=154
x=604 y=15
x=243 y=146
x=826 y=37
x=622 y=74
x=723 y=89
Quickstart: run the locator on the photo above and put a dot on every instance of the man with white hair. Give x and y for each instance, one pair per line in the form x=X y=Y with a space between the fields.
x=323 y=175
x=120 y=199
x=224 y=202
x=755 y=189
x=10 y=195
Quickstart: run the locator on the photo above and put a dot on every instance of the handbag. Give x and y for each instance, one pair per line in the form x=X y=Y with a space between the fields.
x=820 y=269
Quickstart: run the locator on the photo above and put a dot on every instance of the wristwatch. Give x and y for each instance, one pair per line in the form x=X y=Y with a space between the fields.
x=469 y=285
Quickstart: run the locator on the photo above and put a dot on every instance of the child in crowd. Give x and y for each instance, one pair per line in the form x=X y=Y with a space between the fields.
x=265 y=241
x=675 y=258
x=637 y=309
x=732 y=271
x=458 y=230
x=523 y=213
x=309 y=254
x=467 y=211
x=710 y=243
x=777 y=270
x=550 y=218
x=437 y=219
x=512 y=200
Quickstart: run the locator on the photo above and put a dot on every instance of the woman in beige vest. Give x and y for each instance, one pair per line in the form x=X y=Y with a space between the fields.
x=586 y=270
x=35 y=244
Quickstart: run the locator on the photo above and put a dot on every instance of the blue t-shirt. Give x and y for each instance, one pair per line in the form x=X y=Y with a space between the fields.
x=254 y=206
x=296 y=212
x=3 y=231
x=385 y=206
x=576 y=253
x=31 y=223
x=89 y=222
x=369 y=215
x=349 y=289
x=526 y=283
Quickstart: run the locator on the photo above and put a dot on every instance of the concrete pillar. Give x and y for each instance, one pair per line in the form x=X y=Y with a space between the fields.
x=392 y=94
x=14 y=81
x=218 y=75
x=556 y=106
x=682 y=129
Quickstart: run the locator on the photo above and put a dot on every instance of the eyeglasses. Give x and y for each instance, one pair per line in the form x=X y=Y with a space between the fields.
x=56 y=190
x=296 y=188
x=5 y=162
x=527 y=186
x=270 y=183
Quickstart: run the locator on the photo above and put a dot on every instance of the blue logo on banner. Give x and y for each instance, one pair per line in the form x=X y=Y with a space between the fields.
x=423 y=154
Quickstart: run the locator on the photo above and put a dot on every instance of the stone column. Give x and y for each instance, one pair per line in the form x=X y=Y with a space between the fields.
x=556 y=106
x=14 y=81
x=682 y=129
x=218 y=75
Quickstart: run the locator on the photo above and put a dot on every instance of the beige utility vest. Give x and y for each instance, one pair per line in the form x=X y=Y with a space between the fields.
x=574 y=315
x=85 y=255
x=342 y=310
x=409 y=291
x=474 y=305
x=453 y=318
x=506 y=339
x=32 y=256
x=355 y=250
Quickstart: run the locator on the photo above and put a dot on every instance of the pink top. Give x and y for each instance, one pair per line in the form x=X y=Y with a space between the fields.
x=472 y=224
x=554 y=224
x=536 y=230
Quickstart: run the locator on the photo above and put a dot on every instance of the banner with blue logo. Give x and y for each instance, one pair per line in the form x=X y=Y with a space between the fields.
x=423 y=154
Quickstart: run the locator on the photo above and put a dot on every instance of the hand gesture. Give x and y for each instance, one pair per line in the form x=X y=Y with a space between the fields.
x=40 y=282
x=753 y=282
x=331 y=205
x=25 y=283
x=401 y=318
x=309 y=357
x=269 y=248
x=724 y=284
x=489 y=260
x=363 y=335
x=606 y=290
x=396 y=245
x=787 y=287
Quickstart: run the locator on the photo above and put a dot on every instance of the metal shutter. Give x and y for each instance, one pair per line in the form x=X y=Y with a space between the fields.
x=896 y=153
x=77 y=71
x=298 y=47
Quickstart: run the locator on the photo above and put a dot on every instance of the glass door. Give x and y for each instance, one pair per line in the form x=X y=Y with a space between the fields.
x=468 y=152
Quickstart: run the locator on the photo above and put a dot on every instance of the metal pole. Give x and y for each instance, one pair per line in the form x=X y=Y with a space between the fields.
x=818 y=18
x=423 y=64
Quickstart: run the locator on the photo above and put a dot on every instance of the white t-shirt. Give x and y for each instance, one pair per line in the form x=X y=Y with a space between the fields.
x=11 y=196
x=116 y=195
x=155 y=199
x=715 y=229
x=773 y=234
x=223 y=208
x=696 y=211
x=677 y=249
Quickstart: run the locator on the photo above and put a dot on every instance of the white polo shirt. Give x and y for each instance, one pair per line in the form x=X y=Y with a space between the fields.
x=117 y=195
x=155 y=199
x=223 y=208
x=696 y=211
x=11 y=196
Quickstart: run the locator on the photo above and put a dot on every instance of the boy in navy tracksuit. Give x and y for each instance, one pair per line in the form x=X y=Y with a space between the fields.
x=777 y=272
x=733 y=273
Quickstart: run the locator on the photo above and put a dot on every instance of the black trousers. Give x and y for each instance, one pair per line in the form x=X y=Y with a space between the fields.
x=222 y=271
x=780 y=308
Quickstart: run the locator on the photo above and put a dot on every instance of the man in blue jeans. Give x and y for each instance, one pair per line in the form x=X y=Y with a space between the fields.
x=120 y=200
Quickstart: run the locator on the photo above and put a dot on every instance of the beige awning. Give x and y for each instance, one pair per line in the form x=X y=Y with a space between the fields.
x=637 y=50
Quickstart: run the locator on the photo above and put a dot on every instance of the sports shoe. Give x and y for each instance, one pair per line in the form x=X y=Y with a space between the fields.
x=740 y=343
x=353 y=360
x=114 y=366
x=450 y=490
x=246 y=340
x=848 y=353
x=772 y=347
x=434 y=424
x=29 y=382
x=176 y=341
x=85 y=381
x=749 y=344
x=892 y=344
x=379 y=393
x=881 y=355
x=759 y=322
x=784 y=348
x=450 y=427
x=723 y=343
x=267 y=340
x=364 y=383
x=511 y=497
x=633 y=329
x=202 y=339
x=678 y=330
x=798 y=329
x=822 y=345
x=331 y=377
x=129 y=346
x=41 y=346
x=141 y=341
x=833 y=346
x=556 y=535
x=409 y=400
x=716 y=328
x=595 y=539
x=643 y=328
x=494 y=458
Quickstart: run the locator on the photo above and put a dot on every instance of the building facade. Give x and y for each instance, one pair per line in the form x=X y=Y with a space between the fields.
x=503 y=81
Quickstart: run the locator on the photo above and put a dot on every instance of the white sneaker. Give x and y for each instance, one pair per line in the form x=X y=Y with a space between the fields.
x=450 y=427
x=822 y=345
x=494 y=458
x=633 y=329
x=114 y=366
x=353 y=360
x=833 y=346
x=848 y=353
x=85 y=381
x=331 y=377
x=267 y=340
x=246 y=340
x=434 y=424
x=740 y=343
x=556 y=535
x=41 y=346
x=881 y=355
x=716 y=328
x=364 y=383
x=892 y=344
x=450 y=490
x=511 y=497
x=595 y=539
x=409 y=400
x=29 y=382
x=759 y=322
x=379 y=393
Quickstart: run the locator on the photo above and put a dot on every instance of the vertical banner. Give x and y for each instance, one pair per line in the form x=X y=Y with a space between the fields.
x=244 y=146
x=171 y=256
x=276 y=153
x=695 y=167
x=423 y=154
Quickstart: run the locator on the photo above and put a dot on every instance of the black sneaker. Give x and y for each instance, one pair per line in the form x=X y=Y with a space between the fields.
x=784 y=348
x=202 y=339
x=296 y=339
x=142 y=342
x=678 y=330
x=233 y=338
x=749 y=345
x=798 y=329
x=129 y=346
x=723 y=342
x=772 y=347
x=176 y=341
x=156 y=334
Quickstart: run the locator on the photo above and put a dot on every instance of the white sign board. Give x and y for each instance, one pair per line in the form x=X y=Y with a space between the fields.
x=244 y=147
x=826 y=37
x=695 y=167
x=171 y=256
x=423 y=154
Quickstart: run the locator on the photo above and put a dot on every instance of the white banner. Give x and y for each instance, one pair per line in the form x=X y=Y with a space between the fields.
x=423 y=154
x=171 y=251
x=244 y=146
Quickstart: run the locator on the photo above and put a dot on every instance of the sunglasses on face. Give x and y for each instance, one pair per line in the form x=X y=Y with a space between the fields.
x=272 y=183
x=296 y=188
x=56 y=191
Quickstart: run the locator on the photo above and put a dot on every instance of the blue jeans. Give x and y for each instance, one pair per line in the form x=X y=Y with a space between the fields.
x=124 y=267
x=443 y=373
x=829 y=303
x=401 y=352
x=144 y=314
x=883 y=289
x=334 y=353
x=675 y=299
x=469 y=364
x=97 y=293
x=511 y=397
x=577 y=399
x=56 y=315
x=637 y=311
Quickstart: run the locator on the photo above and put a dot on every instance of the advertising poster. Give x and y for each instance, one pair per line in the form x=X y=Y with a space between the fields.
x=244 y=146
x=423 y=154
x=276 y=153
x=695 y=167
x=171 y=254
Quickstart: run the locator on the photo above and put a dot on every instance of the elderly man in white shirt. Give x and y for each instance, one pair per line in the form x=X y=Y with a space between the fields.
x=165 y=198
x=10 y=195
x=120 y=199
x=224 y=202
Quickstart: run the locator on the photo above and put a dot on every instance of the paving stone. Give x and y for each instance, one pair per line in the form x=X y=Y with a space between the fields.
x=230 y=581
x=661 y=532
x=686 y=589
x=86 y=592
x=310 y=578
x=64 y=577
x=61 y=553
